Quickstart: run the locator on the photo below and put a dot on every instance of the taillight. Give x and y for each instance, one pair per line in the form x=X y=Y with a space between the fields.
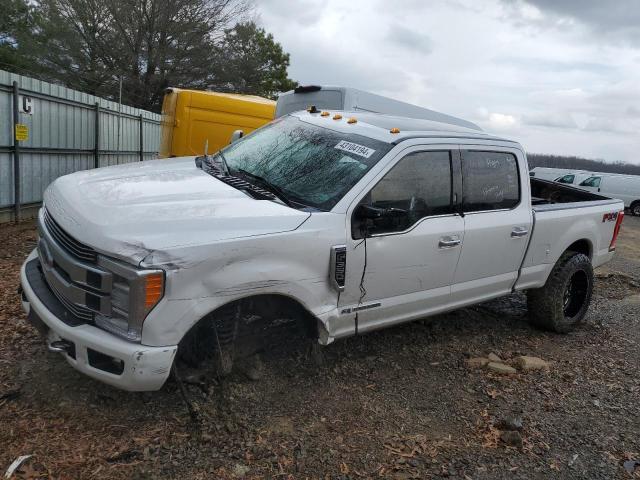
x=616 y=231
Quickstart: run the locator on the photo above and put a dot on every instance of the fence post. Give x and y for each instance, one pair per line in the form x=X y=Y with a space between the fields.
x=16 y=152
x=96 y=135
x=141 y=138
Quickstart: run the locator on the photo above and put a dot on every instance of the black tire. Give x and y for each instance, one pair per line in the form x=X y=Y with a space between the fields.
x=635 y=208
x=563 y=301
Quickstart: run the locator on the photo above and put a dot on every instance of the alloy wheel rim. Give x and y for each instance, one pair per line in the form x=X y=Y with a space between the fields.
x=575 y=294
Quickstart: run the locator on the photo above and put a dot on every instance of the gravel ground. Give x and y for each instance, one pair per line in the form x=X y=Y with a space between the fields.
x=400 y=403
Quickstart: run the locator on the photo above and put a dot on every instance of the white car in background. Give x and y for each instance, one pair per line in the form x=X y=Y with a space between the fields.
x=548 y=173
x=574 y=178
x=623 y=187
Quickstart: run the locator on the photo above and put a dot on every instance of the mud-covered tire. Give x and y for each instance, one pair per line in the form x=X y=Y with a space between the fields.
x=634 y=208
x=563 y=301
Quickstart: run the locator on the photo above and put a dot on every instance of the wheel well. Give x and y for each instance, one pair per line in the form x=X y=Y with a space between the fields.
x=269 y=307
x=275 y=306
x=581 y=246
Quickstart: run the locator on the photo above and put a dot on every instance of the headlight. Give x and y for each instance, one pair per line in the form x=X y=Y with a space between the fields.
x=134 y=293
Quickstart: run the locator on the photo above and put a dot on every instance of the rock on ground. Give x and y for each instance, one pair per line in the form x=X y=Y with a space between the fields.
x=510 y=423
x=477 y=362
x=494 y=358
x=527 y=364
x=501 y=368
x=512 y=438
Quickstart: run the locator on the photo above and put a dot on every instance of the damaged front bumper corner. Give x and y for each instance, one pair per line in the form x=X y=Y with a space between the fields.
x=95 y=352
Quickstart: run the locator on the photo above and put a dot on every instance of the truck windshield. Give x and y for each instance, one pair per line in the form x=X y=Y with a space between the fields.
x=311 y=165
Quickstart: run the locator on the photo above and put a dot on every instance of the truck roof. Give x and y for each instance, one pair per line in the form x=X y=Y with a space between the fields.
x=379 y=126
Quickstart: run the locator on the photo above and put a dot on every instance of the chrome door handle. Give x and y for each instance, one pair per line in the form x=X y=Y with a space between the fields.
x=449 y=242
x=519 y=232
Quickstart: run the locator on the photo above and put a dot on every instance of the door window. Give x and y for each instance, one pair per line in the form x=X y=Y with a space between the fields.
x=591 y=182
x=420 y=185
x=490 y=181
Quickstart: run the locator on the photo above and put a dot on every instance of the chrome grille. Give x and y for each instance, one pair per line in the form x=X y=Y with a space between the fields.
x=77 y=249
x=79 y=311
x=71 y=271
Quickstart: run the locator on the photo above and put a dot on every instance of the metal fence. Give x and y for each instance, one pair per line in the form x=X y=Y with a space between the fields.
x=66 y=131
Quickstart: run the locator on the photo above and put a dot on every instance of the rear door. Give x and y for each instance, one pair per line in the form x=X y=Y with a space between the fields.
x=497 y=223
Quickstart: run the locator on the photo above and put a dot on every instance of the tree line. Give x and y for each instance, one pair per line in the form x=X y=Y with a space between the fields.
x=137 y=48
x=578 y=163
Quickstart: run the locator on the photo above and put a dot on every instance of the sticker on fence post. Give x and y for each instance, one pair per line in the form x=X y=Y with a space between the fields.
x=22 y=132
x=25 y=105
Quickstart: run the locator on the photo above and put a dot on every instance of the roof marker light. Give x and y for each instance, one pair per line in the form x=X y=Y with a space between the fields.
x=352 y=120
x=312 y=109
x=395 y=130
x=337 y=116
x=324 y=114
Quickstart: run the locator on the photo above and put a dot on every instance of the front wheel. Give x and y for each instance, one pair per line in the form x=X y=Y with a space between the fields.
x=562 y=302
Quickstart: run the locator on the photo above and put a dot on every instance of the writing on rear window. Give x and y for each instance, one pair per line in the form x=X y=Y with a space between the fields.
x=351 y=147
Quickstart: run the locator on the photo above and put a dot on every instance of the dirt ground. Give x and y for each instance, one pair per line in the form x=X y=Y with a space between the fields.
x=400 y=403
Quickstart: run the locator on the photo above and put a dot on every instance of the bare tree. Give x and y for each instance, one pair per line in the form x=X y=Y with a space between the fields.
x=578 y=163
x=151 y=44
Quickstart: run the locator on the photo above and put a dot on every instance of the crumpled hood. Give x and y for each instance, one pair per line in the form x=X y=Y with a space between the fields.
x=129 y=211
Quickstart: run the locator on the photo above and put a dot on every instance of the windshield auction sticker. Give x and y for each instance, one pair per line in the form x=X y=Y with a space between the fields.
x=360 y=150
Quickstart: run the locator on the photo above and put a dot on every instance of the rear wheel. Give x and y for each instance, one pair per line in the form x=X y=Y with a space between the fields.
x=563 y=301
x=635 y=208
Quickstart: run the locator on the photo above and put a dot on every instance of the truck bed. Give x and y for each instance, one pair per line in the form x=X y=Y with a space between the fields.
x=548 y=196
x=565 y=216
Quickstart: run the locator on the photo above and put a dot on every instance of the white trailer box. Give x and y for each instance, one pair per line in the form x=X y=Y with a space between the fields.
x=351 y=99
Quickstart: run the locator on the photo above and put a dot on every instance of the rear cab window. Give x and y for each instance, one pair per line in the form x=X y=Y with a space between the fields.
x=491 y=181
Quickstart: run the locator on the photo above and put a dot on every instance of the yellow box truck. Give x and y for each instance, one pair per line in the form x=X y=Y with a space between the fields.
x=192 y=118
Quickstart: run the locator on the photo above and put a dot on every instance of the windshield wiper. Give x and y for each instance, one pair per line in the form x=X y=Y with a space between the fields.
x=267 y=185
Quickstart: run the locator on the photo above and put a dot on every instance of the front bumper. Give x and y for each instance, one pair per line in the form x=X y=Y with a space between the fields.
x=93 y=351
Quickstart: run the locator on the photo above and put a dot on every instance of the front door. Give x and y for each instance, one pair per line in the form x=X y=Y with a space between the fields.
x=591 y=184
x=401 y=267
x=497 y=224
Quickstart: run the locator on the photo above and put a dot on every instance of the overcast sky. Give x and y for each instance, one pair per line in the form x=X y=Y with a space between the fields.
x=560 y=76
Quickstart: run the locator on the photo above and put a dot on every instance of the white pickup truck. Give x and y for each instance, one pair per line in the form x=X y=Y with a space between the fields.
x=343 y=223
